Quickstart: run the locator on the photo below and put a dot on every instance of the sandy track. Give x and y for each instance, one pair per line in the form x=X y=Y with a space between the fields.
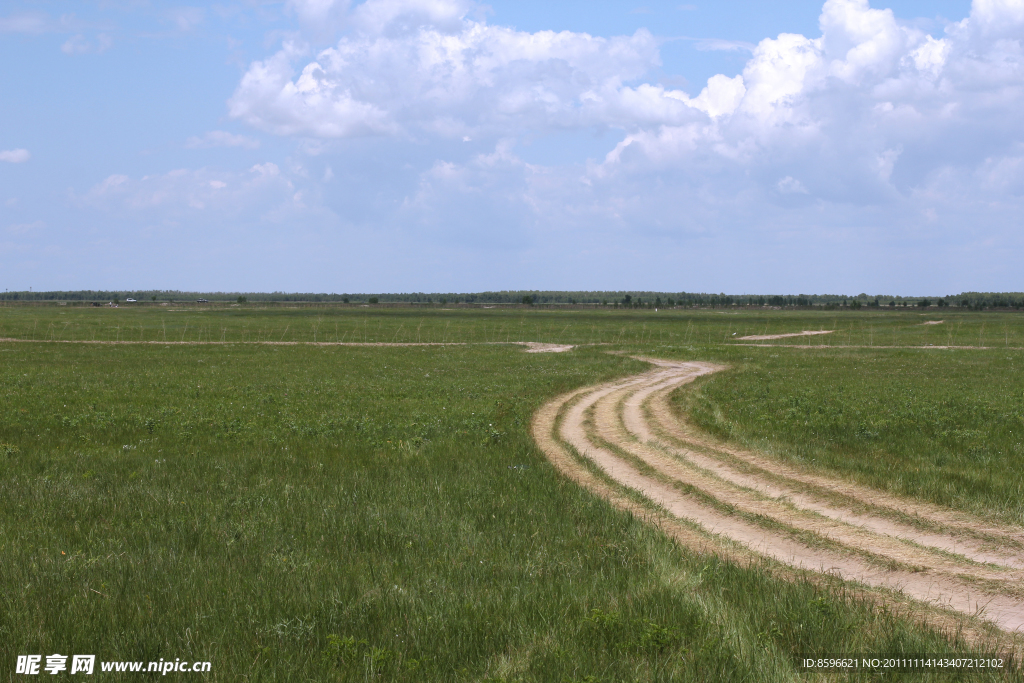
x=805 y=333
x=531 y=347
x=746 y=501
x=540 y=347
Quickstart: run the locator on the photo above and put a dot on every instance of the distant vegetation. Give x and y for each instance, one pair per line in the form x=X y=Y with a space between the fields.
x=616 y=299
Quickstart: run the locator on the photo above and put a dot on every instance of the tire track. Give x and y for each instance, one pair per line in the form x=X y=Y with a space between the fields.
x=625 y=430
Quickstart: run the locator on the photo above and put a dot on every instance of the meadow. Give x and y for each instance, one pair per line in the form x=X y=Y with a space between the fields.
x=580 y=325
x=303 y=512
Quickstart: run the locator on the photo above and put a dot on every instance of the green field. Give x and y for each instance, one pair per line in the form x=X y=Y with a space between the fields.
x=301 y=512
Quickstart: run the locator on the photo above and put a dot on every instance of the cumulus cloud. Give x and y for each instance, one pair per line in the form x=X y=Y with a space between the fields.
x=870 y=107
x=15 y=156
x=412 y=67
x=870 y=131
x=220 y=138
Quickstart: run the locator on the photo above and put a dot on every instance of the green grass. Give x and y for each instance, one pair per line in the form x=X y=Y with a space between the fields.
x=331 y=513
x=945 y=426
x=630 y=327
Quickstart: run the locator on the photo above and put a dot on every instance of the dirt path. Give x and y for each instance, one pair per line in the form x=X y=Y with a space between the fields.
x=748 y=504
x=539 y=347
x=805 y=333
x=531 y=347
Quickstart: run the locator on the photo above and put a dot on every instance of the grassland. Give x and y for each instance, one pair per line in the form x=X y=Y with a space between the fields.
x=649 y=329
x=344 y=513
x=945 y=426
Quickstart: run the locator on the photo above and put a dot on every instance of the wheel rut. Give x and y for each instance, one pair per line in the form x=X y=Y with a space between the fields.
x=622 y=441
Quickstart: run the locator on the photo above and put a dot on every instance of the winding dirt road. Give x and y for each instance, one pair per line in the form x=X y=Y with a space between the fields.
x=742 y=504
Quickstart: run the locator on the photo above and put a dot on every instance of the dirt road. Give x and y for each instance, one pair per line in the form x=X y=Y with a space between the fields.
x=748 y=505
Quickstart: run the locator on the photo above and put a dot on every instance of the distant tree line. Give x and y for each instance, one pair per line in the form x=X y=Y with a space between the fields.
x=610 y=299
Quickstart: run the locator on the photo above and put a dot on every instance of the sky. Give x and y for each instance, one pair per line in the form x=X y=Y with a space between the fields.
x=737 y=146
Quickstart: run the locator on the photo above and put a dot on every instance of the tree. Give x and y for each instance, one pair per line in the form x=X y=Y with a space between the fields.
x=924 y=303
x=372 y=300
x=153 y=297
x=627 y=300
x=242 y=300
x=528 y=300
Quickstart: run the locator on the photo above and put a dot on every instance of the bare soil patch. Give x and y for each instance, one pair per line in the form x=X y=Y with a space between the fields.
x=805 y=333
x=538 y=347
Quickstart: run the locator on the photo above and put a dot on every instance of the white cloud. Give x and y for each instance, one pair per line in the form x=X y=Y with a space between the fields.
x=790 y=185
x=997 y=16
x=413 y=67
x=716 y=44
x=319 y=19
x=25 y=22
x=78 y=44
x=867 y=112
x=220 y=138
x=15 y=156
x=871 y=129
x=261 y=191
x=871 y=105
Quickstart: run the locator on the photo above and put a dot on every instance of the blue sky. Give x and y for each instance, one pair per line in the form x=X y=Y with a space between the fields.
x=447 y=145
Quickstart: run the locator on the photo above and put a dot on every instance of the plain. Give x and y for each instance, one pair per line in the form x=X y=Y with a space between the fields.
x=307 y=511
